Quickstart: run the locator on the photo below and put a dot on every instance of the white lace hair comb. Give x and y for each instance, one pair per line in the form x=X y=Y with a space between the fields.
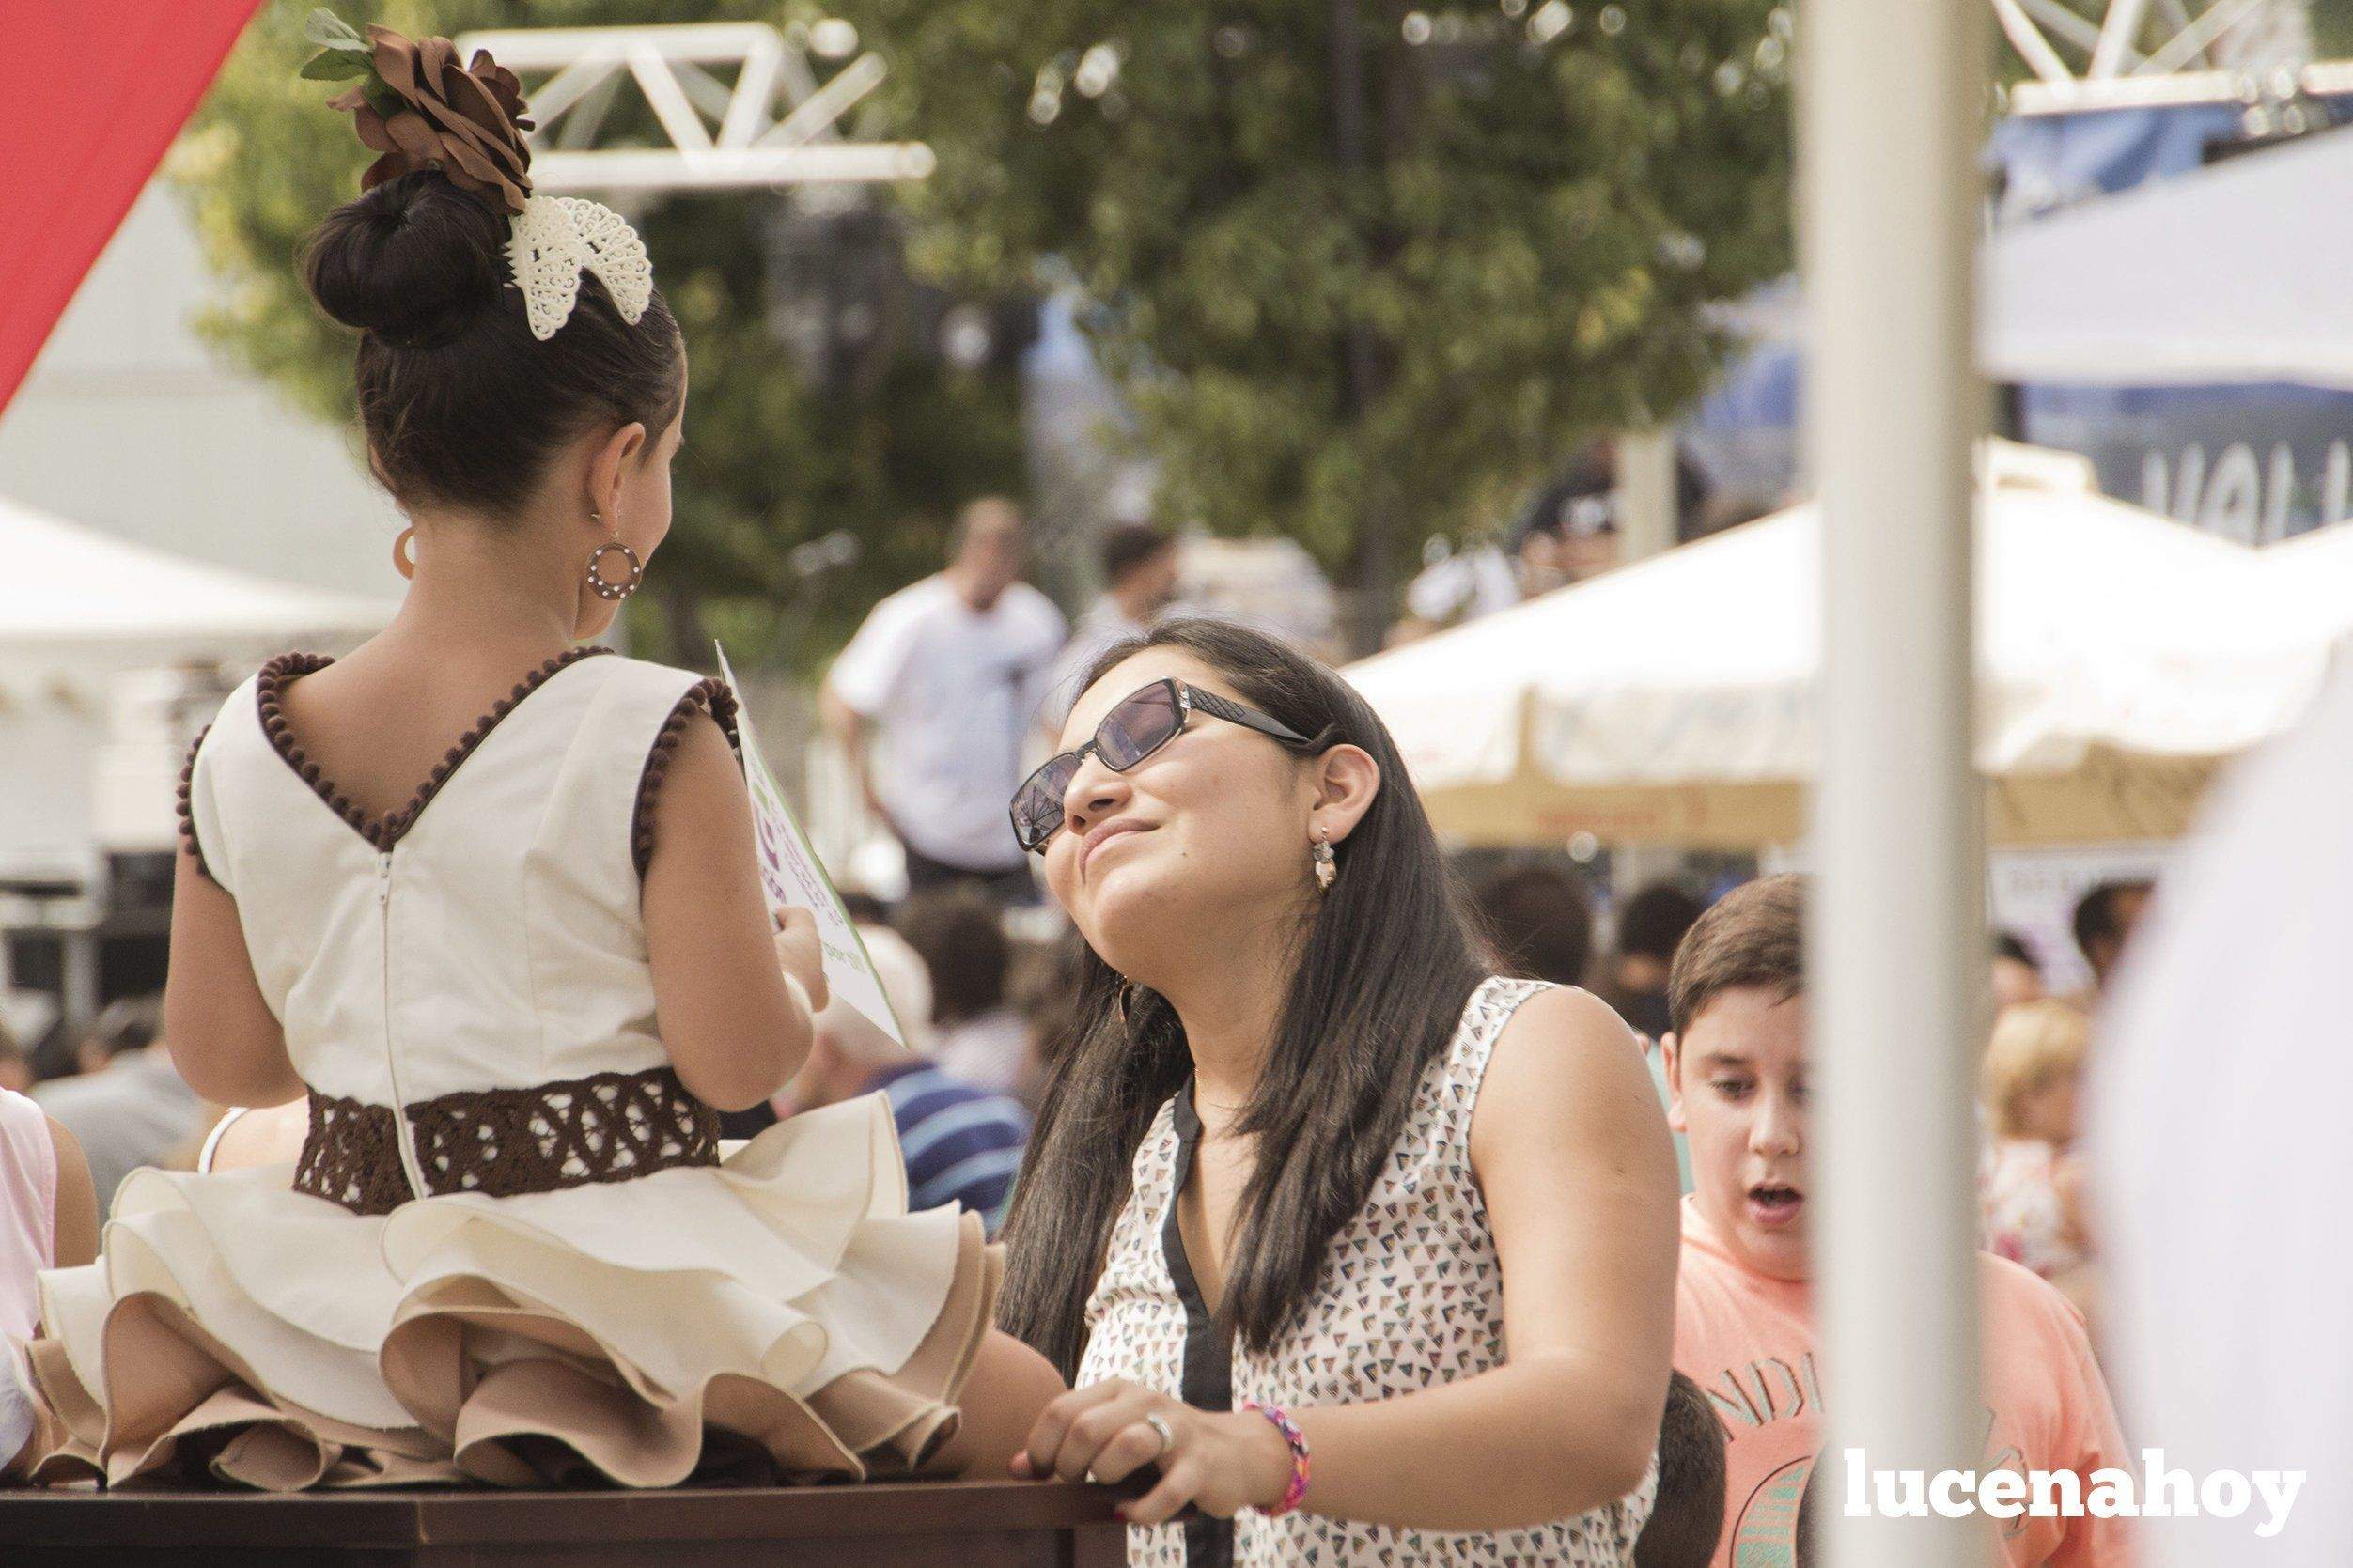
x=555 y=239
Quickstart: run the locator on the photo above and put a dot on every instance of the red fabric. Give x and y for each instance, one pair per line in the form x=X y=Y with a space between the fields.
x=92 y=93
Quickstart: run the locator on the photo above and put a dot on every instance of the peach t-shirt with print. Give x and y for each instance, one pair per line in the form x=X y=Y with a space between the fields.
x=1747 y=1340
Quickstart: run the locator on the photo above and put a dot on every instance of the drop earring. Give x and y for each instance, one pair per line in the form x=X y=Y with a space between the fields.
x=404 y=553
x=602 y=586
x=1327 y=863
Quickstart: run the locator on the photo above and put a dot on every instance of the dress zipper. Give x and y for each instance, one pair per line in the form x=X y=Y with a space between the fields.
x=402 y=1135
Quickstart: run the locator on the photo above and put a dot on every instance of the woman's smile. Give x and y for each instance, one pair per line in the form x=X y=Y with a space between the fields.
x=1105 y=834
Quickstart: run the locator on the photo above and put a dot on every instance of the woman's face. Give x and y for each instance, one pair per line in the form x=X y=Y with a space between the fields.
x=639 y=517
x=1210 y=838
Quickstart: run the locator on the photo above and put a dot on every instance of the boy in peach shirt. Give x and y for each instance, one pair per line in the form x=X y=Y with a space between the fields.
x=1744 y=1328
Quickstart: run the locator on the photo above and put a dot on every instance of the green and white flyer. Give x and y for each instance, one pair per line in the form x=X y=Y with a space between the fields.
x=796 y=879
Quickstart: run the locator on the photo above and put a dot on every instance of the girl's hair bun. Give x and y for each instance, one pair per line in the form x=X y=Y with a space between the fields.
x=462 y=406
x=415 y=261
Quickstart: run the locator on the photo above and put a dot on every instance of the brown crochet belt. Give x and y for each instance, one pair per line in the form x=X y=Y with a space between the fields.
x=577 y=1132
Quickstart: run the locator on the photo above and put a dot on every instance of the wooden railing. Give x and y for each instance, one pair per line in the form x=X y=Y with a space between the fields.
x=914 y=1525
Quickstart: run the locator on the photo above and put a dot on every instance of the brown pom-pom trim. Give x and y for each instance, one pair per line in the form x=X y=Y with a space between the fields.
x=383 y=831
x=188 y=811
x=711 y=695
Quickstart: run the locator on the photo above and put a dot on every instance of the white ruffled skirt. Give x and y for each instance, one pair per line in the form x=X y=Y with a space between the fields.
x=780 y=1317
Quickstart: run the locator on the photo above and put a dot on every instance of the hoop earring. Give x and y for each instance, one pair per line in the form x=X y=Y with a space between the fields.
x=403 y=554
x=1327 y=864
x=598 y=582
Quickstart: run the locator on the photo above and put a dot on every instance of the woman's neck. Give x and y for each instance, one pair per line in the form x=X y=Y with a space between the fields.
x=1231 y=1006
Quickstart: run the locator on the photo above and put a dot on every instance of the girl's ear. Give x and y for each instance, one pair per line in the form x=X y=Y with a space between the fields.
x=1348 y=782
x=607 y=465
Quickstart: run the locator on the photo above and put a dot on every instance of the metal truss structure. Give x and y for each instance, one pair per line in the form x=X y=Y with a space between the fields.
x=723 y=135
x=2141 y=53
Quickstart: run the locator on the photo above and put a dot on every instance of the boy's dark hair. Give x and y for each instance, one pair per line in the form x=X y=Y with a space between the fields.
x=1689 y=1515
x=1655 y=919
x=2096 y=913
x=962 y=943
x=1752 y=936
x=1130 y=545
x=131 y=1023
x=1540 y=922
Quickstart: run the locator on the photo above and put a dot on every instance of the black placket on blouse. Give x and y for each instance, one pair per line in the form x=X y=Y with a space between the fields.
x=1208 y=1377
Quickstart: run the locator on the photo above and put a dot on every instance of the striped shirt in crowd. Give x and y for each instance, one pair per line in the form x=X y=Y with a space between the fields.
x=960 y=1143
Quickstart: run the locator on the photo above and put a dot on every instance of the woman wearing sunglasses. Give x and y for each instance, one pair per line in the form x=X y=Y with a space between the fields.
x=1331 y=1229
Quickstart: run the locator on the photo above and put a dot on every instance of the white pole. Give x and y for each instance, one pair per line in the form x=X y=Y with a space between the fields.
x=1645 y=494
x=1892 y=106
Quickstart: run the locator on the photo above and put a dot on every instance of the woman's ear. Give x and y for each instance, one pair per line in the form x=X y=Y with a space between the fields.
x=608 y=465
x=1348 y=782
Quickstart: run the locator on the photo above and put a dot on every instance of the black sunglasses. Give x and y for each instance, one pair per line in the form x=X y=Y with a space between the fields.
x=1138 y=725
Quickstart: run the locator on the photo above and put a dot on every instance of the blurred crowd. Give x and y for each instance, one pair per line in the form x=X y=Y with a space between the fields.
x=957 y=687
x=984 y=1000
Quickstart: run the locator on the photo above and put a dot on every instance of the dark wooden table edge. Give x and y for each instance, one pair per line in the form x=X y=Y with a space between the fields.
x=488 y=1518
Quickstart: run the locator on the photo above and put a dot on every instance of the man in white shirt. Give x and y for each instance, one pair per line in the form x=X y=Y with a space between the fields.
x=934 y=695
x=1139 y=578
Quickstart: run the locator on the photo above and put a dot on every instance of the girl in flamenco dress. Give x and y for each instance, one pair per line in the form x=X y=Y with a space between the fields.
x=489 y=898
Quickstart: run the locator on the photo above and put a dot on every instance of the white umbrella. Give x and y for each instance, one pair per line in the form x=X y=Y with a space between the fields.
x=89 y=761
x=72 y=591
x=2121 y=655
x=2308 y=581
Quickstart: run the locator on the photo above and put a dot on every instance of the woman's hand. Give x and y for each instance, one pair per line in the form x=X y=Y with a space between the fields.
x=1215 y=1462
x=801 y=954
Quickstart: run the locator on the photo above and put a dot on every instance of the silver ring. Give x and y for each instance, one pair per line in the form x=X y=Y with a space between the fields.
x=1168 y=1436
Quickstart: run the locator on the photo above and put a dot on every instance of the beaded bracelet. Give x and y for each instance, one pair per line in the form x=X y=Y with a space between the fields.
x=1301 y=1463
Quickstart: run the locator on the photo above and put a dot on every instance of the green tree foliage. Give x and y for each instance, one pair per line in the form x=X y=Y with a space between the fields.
x=771 y=460
x=2332 y=29
x=1545 y=199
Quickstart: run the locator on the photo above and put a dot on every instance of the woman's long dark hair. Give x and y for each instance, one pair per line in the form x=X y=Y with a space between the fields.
x=1386 y=962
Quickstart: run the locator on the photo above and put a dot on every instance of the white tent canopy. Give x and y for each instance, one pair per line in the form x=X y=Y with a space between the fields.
x=2217 y=276
x=71 y=593
x=2120 y=656
x=88 y=725
x=2223 y=275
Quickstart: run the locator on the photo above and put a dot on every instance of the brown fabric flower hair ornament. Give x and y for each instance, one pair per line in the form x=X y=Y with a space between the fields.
x=419 y=108
x=417 y=105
